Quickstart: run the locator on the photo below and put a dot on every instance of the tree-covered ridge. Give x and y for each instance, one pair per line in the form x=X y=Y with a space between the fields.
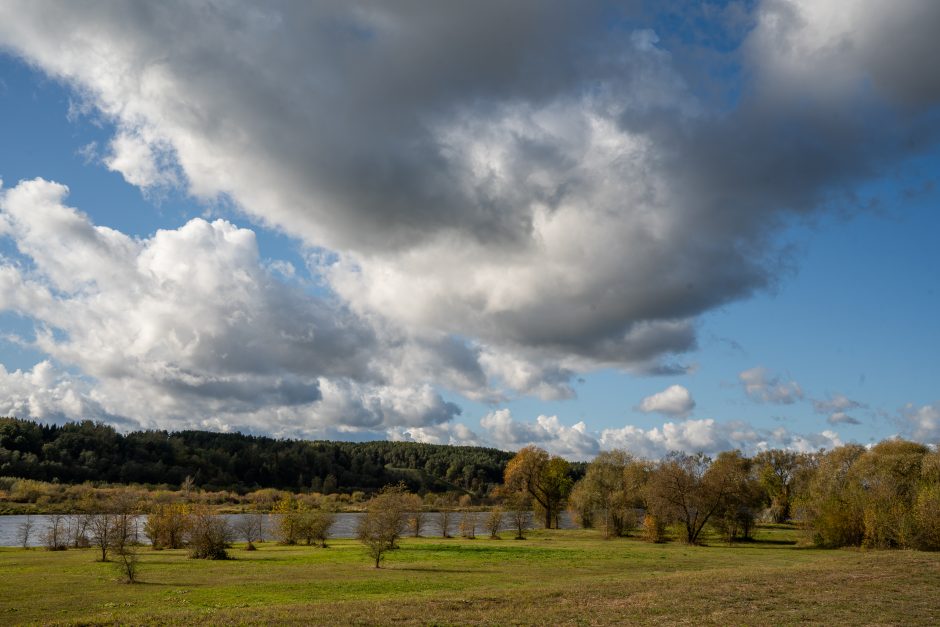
x=89 y=451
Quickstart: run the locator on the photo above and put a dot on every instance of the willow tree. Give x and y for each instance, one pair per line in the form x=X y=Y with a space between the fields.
x=886 y=496
x=779 y=473
x=611 y=491
x=543 y=477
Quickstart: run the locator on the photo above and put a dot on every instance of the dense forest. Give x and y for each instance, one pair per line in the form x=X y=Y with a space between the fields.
x=89 y=451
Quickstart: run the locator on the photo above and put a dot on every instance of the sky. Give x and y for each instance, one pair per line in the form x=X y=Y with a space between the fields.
x=652 y=226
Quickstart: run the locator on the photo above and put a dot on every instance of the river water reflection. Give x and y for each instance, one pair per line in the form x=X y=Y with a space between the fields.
x=343 y=527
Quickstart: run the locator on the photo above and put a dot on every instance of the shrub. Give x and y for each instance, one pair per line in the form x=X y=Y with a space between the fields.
x=209 y=535
x=468 y=525
x=494 y=522
x=383 y=522
x=313 y=525
x=168 y=525
x=654 y=529
x=128 y=563
x=56 y=537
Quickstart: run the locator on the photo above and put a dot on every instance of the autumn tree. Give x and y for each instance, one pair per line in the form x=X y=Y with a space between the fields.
x=543 y=477
x=689 y=489
x=890 y=474
x=887 y=496
x=610 y=491
x=313 y=525
x=778 y=471
x=383 y=522
x=832 y=508
x=581 y=504
x=167 y=525
x=926 y=506
x=737 y=513
x=286 y=520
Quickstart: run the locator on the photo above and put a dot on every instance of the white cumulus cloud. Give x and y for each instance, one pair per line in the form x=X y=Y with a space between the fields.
x=674 y=401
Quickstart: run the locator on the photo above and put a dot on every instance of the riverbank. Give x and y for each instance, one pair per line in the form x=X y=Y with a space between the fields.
x=344 y=526
x=554 y=577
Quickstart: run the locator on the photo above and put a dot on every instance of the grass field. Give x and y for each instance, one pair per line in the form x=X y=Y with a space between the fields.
x=554 y=577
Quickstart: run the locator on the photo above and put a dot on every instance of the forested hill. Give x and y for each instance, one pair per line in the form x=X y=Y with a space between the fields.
x=88 y=451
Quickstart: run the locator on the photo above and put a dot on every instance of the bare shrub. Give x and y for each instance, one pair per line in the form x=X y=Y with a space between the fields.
x=468 y=525
x=128 y=562
x=209 y=535
x=250 y=528
x=104 y=530
x=417 y=517
x=520 y=515
x=55 y=537
x=25 y=531
x=494 y=522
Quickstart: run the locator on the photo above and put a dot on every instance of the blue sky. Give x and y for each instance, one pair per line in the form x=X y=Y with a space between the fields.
x=672 y=234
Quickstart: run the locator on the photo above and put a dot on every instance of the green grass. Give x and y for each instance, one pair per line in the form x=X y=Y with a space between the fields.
x=555 y=577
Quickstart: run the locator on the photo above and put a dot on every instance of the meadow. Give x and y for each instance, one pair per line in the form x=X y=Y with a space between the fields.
x=553 y=577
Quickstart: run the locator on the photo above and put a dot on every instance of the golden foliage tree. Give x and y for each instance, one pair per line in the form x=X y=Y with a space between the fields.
x=543 y=477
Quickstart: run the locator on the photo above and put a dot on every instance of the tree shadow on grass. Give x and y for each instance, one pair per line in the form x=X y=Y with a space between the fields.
x=164 y=584
x=771 y=542
x=430 y=569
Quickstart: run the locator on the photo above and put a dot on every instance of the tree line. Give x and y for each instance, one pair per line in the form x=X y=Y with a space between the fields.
x=885 y=496
x=89 y=451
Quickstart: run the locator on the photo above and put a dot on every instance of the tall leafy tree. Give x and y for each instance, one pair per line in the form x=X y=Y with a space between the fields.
x=690 y=489
x=545 y=478
x=611 y=490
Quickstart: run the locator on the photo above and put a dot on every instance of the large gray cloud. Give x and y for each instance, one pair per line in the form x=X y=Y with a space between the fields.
x=189 y=324
x=519 y=192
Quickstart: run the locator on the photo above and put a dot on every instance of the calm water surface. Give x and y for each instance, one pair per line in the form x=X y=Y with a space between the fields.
x=343 y=527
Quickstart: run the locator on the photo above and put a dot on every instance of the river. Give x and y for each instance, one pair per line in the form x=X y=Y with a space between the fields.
x=343 y=527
